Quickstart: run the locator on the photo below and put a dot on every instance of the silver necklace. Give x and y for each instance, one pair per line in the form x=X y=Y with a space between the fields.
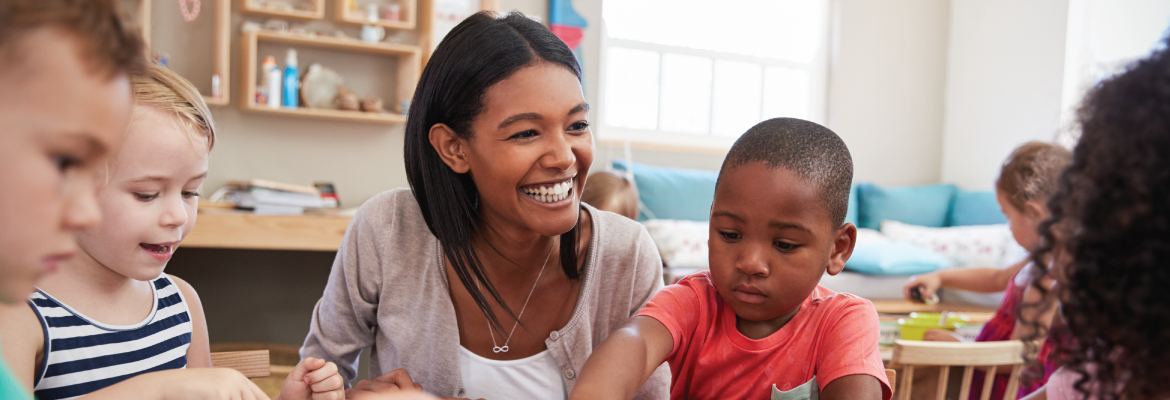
x=496 y=348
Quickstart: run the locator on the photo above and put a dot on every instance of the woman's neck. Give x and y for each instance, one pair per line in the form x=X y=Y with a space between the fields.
x=509 y=252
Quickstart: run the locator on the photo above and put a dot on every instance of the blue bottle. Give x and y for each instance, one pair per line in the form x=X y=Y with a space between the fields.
x=292 y=80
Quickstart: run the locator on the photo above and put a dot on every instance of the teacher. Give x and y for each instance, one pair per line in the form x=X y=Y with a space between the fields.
x=489 y=278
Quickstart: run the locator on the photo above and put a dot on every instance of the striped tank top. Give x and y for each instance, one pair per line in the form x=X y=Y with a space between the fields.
x=83 y=355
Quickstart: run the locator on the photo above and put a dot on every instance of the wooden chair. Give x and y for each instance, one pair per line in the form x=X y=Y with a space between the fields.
x=252 y=363
x=989 y=356
x=892 y=376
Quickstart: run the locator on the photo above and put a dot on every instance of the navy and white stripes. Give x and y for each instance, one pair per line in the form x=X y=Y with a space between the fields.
x=83 y=355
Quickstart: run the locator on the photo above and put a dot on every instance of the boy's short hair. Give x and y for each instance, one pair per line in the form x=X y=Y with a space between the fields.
x=809 y=150
x=165 y=91
x=105 y=41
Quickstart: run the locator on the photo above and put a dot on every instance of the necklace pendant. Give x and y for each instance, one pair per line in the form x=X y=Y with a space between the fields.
x=504 y=349
x=498 y=349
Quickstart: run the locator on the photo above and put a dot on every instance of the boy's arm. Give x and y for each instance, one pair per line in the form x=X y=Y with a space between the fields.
x=853 y=387
x=199 y=352
x=980 y=280
x=624 y=360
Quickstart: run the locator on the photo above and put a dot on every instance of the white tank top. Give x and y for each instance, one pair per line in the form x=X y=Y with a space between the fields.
x=535 y=377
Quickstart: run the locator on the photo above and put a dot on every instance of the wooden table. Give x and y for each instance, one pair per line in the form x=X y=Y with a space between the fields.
x=231 y=229
x=906 y=307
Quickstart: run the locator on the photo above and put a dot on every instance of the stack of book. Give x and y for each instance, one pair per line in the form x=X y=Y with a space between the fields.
x=274 y=198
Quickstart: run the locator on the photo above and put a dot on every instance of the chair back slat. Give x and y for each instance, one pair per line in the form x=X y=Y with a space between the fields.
x=941 y=389
x=1013 y=386
x=253 y=363
x=907 y=382
x=965 y=387
x=988 y=381
x=892 y=377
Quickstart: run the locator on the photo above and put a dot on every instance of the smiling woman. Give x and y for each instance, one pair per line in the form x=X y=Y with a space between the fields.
x=451 y=283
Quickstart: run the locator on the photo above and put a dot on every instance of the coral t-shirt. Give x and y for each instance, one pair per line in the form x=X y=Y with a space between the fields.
x=832 y=336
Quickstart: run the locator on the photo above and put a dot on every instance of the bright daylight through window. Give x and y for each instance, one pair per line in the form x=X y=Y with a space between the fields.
x=701 y=72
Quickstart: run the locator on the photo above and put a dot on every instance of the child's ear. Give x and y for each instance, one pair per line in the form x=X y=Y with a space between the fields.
x=451 y=148
x=843 y=241
x=1036 y=209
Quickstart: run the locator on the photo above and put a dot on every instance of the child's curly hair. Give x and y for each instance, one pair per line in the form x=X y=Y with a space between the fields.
x=1109 y=237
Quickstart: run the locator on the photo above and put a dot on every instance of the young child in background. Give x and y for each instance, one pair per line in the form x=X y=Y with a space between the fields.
x=758 y=325
x=1028 y=178
x=112 y=314
x=1108 y=242
x=612 y=191
x=63 y=112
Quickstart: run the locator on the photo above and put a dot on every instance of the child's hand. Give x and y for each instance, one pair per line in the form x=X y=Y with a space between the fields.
x=199 y=383
x=313 y=378
x=928 y=285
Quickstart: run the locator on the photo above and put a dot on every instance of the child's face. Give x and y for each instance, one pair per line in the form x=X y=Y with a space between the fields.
x=1023 y=223
x=150 y=199
x=60 y=121
x=771 y=241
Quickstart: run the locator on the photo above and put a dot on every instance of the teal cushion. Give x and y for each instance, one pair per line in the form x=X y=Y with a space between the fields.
x=672 y=193
x=894 y=258
x=928 y=205
x=851 y=215
x=976 y=208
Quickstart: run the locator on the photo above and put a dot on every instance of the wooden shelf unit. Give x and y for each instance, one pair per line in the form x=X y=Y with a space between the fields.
x=409 y=64
x=221 y=56
x=318 y=12
x=229 y=229
x=409 y=9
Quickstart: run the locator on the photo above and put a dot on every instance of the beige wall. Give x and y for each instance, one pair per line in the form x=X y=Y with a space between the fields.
x=886 y=86
x=1005 y=74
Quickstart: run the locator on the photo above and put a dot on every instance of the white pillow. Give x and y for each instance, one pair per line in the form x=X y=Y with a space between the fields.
x=682 y=243
x=966 y=246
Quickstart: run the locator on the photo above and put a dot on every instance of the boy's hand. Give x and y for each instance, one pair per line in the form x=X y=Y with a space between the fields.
x=928 y=285
x=315 y=379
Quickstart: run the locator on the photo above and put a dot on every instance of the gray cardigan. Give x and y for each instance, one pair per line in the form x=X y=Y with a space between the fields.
x=388 y=290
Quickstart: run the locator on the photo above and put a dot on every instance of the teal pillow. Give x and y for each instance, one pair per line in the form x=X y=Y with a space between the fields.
x=976 y=208
x=672 y=193
x=894 y=258
x=851 y=215
x=928 y=205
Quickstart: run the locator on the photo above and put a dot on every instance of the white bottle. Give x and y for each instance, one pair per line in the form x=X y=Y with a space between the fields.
x=272 y=81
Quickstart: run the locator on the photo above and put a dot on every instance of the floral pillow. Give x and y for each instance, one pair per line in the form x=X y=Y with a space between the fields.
x=682 y=243
x=966 y=246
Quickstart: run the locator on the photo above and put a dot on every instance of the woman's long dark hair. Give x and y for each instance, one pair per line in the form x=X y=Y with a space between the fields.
x=480 y=52
x=1110 y=232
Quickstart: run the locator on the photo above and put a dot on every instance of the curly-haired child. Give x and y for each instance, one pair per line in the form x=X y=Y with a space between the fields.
x=1107 y=243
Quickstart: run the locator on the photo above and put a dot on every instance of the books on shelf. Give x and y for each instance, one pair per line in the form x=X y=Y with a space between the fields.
x=272 y=198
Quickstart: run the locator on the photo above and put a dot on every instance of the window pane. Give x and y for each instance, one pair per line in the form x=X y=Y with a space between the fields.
x=686 y=93
x=736 y=97
x=631 y=88
x=781 y=29
x=786 y=93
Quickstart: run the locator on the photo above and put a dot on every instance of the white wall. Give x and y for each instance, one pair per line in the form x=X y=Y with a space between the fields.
x=1004 y=80
x=886 y=85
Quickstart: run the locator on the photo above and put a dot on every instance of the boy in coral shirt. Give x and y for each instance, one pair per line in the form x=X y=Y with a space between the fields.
x=757 y=325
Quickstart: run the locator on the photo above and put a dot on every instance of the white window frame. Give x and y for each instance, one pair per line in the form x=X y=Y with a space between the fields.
x=818 y=88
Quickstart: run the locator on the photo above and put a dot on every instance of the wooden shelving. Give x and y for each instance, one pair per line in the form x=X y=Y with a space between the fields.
x=221 y=56
x=409 y=9
x=408 y=57
x=318 y=12
x=229 y=229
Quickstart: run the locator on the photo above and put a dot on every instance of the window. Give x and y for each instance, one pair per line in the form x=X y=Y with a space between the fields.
x=700 y=73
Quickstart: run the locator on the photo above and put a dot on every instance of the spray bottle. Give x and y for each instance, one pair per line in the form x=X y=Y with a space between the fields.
x=271 y=82
x=292 y=80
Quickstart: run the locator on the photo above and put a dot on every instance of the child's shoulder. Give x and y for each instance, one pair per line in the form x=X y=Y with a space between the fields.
x=832 y=305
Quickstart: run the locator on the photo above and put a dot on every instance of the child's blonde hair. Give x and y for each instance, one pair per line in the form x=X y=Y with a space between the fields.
x=1031 y=172
x=606 y=188
x=167 y=92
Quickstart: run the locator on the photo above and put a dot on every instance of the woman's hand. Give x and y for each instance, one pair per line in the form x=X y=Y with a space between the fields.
x=384 y=387
x=928 y=285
